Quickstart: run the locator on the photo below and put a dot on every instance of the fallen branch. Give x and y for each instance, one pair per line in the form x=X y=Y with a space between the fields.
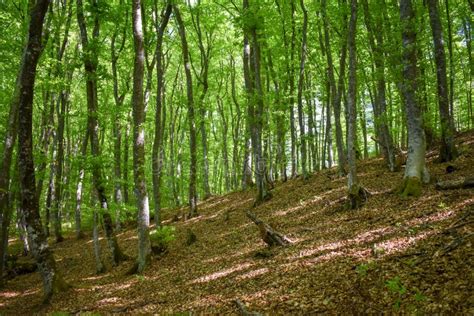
x=269 y=236
x=243 y=309
x=462 y=183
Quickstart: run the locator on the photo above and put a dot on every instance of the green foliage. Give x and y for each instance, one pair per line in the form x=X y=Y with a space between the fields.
x=362 y=270
x=396 y=287
x=161 y=238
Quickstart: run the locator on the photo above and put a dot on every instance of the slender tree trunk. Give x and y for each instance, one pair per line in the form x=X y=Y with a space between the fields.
x=294 y=165
x=300 y=91
x=451 y=61
x=415 y=171
x=191 y=120
x=126 y=150
x=336 y=92
x=58 y=173
x=79 y=187
x=447 y=151
x=356 y=192
x=99 y=265
x=380 y=104
x=50 y=193
x=52 y=280
x=143 y=219
x=225 y=155
x=117 y=124
x=236 y=126
x=328 y=126
x=157 y=154
x=257 y=121
x=90 y=65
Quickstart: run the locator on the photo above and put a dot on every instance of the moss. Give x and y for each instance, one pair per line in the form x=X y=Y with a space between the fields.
x=357 y=196
x=411 y=186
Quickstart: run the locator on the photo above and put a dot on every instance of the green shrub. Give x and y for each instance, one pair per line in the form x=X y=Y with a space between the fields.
x=161 y=238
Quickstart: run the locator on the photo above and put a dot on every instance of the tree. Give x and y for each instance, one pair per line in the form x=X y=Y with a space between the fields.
x=447 y=150
x=256 y=100
x=192 y=197
x=157 y=154
x=357 y=193
x=143 y=218
x=300 y=90
x=380 y=104
x=336 y=92
x=90 y=66
x=52 y=280
x=415 y=171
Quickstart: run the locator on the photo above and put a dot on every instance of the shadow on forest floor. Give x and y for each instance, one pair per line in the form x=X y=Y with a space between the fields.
x=408 y=255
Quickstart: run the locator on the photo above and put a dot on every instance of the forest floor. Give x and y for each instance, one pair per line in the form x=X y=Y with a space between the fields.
x=410 y=255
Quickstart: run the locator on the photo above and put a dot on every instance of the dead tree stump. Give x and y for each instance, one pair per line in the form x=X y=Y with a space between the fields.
x=268 y=234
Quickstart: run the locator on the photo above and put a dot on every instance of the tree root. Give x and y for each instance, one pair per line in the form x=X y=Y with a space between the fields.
x=411 y=186
x=357 y=196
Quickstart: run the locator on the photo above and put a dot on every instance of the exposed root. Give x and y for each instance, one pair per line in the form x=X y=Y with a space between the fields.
x=357 y=196
x=411 y=186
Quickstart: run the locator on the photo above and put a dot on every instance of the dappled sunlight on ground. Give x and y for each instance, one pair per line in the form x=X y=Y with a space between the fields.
x=252 y=274
x=222 y=273
x=319 y=273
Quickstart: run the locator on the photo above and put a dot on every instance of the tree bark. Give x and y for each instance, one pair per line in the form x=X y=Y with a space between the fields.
x=380 y=106
x=447 y=151
x=336 y=92
x=192 y=197
x=300 y=91
x=117 y=124
x=79 y=187
x=257 y=120
x=157 y=154
x=415 y=171
x=356 y=193
x=90 y=66
x=143 y=219
x=52 y=280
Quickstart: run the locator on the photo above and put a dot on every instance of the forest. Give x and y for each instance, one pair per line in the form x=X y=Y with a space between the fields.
x=236 y=156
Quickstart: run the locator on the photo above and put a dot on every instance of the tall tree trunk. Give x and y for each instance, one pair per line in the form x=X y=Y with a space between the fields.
x=205 y=53
x=90 y=66
x=300 y=91
x=126 y=151
x=415 y=171
x=375 y=33
x=294 y=164
x=328 y=133
x=117 y=124
x=447 y=151
x=257 y=121
x=356 y=192
x=157 y=154
x=59 y=163
x=236 y=126
x=79 y=187
x=143 y=219
x=336 y=92
x=451 y=61
x=5 y=167
x=52 y=280
x=192 y=198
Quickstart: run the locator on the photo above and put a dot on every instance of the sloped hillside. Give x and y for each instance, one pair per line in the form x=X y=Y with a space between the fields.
x=409 y=255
